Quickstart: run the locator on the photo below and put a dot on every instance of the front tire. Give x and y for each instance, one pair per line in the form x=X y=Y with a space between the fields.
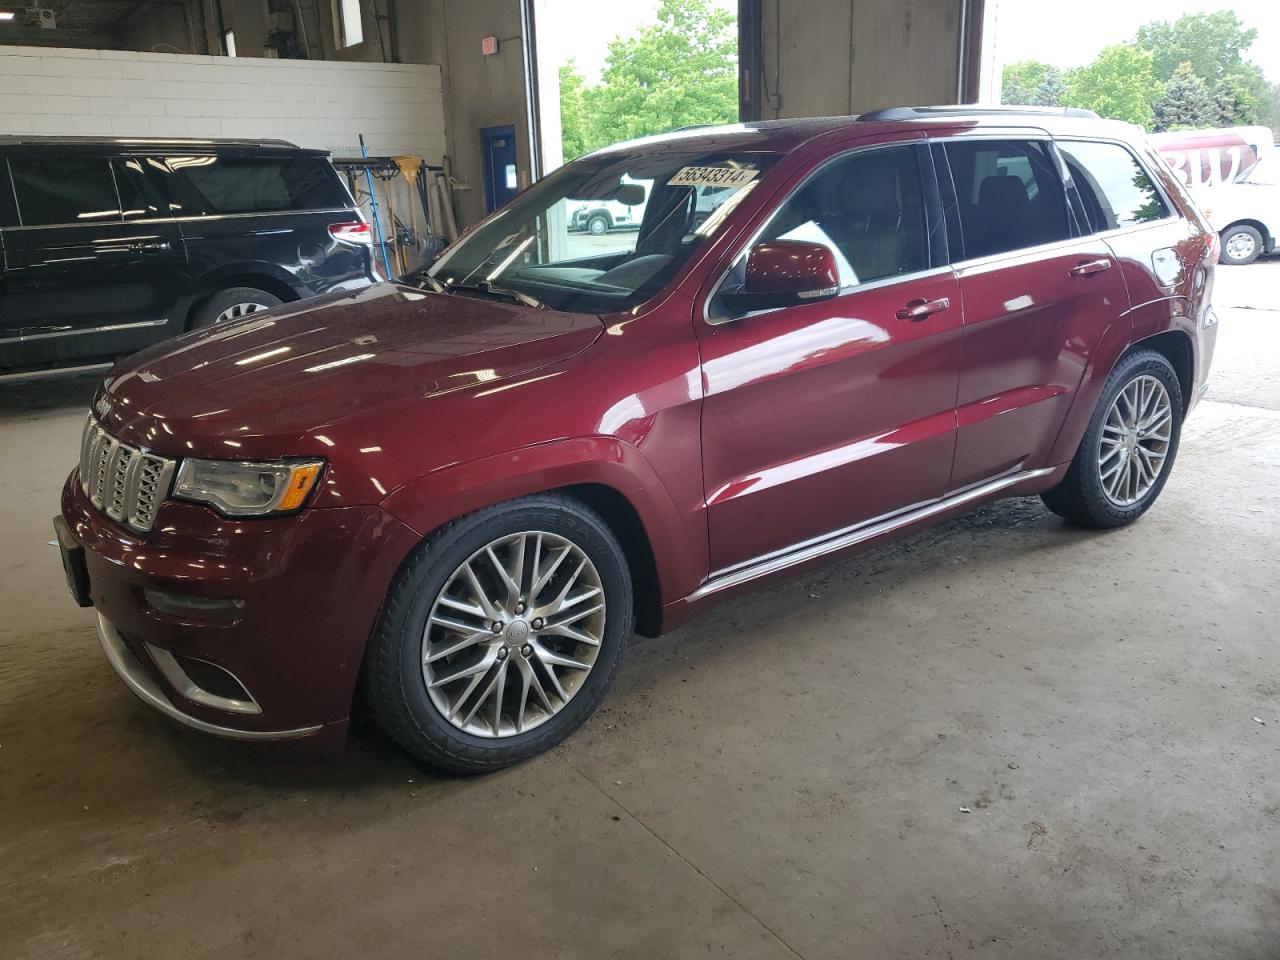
x=1241 y=244
x=501 y=634
x=1129 y=448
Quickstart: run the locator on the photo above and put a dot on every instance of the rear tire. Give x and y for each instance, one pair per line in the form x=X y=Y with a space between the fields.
x=1129 y=448
x=1241 y=244
x=232 y=304
x=448 y=671
x=598 y=225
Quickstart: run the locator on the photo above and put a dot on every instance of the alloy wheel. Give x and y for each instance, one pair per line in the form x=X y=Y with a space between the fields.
x=1134 y=444
x=513 y=634
x=238 y=310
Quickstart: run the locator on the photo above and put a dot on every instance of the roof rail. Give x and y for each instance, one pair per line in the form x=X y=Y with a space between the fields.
x=973 y=109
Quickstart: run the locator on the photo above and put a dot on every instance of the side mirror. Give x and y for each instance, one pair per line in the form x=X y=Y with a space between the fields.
x=783 y=273
x=629 y=195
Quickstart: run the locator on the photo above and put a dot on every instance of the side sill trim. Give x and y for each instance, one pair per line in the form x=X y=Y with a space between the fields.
x=54 y=373
x=850 y=536
x=136 y=679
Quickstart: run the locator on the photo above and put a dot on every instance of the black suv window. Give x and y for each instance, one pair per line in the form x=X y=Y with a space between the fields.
x=64 y=190
x=1115 y=190
x=868 y=207
x=1009 y=193
x=215 y=185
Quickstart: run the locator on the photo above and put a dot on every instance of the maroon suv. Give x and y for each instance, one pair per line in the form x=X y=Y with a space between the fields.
x=464 y=490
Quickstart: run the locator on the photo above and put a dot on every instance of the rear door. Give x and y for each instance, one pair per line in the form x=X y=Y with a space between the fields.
x=93 y=269
x=268 y=213
x=1036 y=297
x=822 y=416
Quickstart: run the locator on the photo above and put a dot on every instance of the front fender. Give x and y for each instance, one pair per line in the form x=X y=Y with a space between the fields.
x=679 y=552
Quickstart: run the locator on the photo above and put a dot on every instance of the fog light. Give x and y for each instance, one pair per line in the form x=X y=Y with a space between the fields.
x=190 y=607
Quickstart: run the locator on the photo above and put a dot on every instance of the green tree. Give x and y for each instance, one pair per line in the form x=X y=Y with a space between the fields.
x=574 y=134
x=1213 y=43
x=1032 y=82
x=1187 y=102
x=1118 y=84
x=679 y=71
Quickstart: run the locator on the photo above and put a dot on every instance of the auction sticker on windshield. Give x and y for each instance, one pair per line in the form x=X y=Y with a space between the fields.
x=712 y=177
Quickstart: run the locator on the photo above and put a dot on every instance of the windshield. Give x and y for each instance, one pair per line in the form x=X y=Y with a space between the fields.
x=606 y=232
x=1265 y=171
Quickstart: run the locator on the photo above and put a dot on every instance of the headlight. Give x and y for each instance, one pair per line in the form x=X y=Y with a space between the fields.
x=239 y=488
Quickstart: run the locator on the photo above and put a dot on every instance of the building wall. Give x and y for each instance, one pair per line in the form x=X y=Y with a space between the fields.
x=841 y=57
x=326 y=104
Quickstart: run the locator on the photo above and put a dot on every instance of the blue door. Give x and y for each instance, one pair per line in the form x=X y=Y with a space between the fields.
x=501 y=181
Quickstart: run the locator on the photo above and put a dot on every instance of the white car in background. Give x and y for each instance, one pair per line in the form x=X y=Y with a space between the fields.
x=1246 y=212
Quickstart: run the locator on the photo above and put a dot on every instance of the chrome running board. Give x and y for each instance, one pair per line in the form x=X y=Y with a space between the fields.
x=806 y=550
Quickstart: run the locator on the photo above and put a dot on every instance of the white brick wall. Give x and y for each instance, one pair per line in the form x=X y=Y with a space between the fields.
x=398 y=107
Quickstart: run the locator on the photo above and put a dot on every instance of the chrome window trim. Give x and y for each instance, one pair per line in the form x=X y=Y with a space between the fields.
x=195 y=218
x=756 y=234
x=789 y=556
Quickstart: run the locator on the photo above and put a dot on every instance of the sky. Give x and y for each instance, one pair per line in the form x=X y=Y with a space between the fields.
x=1071 y=34
x=1067 y=33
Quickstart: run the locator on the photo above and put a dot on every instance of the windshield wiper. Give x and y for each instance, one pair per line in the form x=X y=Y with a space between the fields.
x=434 y=284
x=484 y=286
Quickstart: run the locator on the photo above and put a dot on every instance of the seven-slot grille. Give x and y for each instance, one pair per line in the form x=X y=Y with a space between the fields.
x=125 y=483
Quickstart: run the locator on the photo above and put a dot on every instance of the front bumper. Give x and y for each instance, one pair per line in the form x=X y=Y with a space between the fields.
x=250 y=629
x=140 y=681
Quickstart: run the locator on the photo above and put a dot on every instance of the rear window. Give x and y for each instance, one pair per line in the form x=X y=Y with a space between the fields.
x=1114 y=188
x=53 y=190
x=214 y=185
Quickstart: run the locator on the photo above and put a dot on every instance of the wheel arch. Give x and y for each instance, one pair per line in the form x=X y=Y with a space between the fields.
x=667 y=559
x=1249 y=222
x=260 y=277
x=1175 y=346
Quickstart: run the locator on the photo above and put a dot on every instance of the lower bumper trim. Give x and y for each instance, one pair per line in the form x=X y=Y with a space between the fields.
x=140 y=682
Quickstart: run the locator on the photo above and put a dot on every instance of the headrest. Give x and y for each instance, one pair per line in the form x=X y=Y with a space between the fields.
x=1002 y=191
x=870 y=188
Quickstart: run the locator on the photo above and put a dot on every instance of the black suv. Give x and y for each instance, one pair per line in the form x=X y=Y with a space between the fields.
x=108 y=246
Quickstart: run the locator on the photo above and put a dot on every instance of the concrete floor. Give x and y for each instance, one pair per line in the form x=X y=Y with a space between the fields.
x=783 y=778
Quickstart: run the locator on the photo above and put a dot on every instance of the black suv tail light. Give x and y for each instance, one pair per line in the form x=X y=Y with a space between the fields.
x=356 y=233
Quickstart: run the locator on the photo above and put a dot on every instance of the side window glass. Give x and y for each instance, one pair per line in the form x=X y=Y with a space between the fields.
x=225 y=185
x=868 y=207
x=1116 y=191
x=1009 y=194
x=141 y=189
x=58 y=190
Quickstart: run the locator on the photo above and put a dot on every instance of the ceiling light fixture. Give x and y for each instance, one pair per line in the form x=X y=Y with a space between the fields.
x=6 y=16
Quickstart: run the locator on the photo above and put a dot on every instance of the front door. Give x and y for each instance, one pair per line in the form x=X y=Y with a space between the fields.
x=88 y=275
x=501 y=177
x=826 y=415
x=1036 y=300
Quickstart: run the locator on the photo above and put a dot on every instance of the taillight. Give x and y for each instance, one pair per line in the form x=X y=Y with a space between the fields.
x=1215 y=246
x=355 y=233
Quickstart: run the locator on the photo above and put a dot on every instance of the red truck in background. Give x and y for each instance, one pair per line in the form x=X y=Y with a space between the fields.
x=1204 y=157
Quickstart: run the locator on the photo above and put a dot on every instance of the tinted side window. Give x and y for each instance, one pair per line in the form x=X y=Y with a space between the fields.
x=257 y=184
x=140 y=187
x=1009 y=194
x=1116 y=191
x=868 y=208
x=64 y=190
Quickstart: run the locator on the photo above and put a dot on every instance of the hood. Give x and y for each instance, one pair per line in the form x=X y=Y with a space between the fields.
x=299 y=367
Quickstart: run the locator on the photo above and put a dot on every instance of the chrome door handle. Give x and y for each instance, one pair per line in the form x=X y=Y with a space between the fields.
x=1090 y=267
x=920 y=309
x=151 y=246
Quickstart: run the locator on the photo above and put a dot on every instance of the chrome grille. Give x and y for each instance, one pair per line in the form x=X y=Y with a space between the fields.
x=125 y=483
